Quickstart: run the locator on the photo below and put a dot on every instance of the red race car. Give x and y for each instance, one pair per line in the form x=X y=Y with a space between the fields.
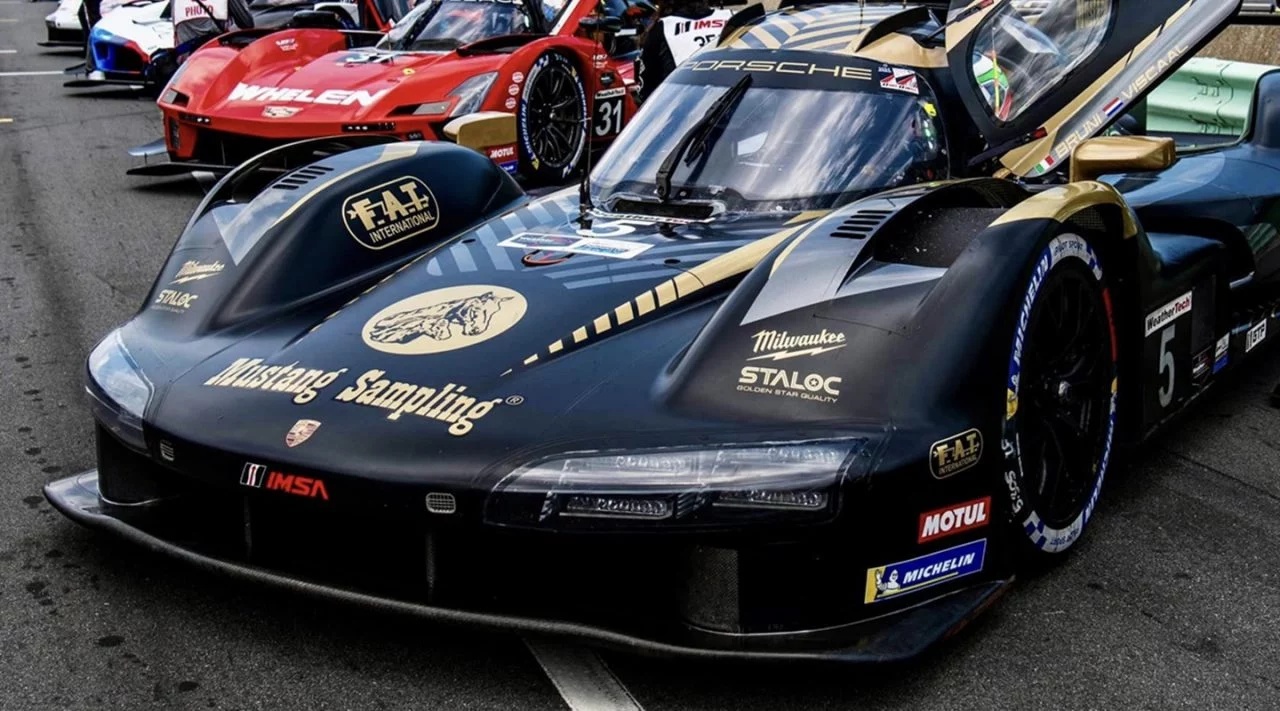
x=561 y=68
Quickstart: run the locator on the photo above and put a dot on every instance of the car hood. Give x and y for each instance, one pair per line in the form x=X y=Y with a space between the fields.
x=341 y=85
x=476 y=354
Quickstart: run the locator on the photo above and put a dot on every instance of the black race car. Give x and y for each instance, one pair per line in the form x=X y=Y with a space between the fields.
x=827 y=345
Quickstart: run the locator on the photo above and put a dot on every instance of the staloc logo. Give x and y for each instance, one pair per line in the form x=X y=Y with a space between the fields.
x=954 y=519
x=391 y=212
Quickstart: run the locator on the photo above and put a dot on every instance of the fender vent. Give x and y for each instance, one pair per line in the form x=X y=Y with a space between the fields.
x=301 y=177
x=861 y=224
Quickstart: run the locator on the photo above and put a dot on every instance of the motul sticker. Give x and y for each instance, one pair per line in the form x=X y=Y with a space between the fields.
x=954 y=519
x=1168 y=313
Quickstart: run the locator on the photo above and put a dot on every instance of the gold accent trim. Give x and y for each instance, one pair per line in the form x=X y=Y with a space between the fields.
x=555 y=347
x=1059 y=204
x=666 y=292
x=1120 y=154
x=531 y=359
x=765 y=38
x=686 y=284
x=807 y=216
x=482 y=130
x=623 y=314
x=644 y=303
x=900 y=49
x=602 y=324
x=580 y=335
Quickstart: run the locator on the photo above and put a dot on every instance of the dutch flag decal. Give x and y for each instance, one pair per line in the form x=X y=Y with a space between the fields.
x=1113 y=108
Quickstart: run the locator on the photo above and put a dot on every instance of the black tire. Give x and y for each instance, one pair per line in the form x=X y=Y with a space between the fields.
x=552 y=134
x=1060 y=419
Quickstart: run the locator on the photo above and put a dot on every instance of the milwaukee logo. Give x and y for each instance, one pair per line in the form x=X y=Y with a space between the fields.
x=954 y=519
x=332 y=97
x=780 y=345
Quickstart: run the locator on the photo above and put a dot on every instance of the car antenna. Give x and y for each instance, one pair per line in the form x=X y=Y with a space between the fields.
x=595 y=24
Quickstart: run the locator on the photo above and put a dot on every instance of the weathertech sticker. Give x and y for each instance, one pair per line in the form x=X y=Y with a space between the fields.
x=1256 y=335
x=954 y=519
x=391 y=212
x=955 y=454
x=444 y=319
x=592 y=246
x=1169 y=313
x=895 y=579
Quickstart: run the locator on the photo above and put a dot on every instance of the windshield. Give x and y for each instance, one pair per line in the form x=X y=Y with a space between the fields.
x=792 y=141
x=453 y=23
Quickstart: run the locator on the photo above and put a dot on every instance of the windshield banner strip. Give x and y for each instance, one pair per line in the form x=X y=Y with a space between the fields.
x=784 y=70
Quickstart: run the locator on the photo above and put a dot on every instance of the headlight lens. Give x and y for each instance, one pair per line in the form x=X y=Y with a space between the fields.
x=471 y=93
x=118 y=391
x=781 y=482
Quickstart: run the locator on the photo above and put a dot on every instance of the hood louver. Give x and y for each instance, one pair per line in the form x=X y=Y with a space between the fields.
x=301 y=177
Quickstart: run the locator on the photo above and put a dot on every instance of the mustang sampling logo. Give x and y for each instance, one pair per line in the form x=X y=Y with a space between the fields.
x=391 y=212
x=444 y=320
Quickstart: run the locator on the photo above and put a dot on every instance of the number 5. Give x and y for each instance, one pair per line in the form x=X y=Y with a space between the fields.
x=1166 y=364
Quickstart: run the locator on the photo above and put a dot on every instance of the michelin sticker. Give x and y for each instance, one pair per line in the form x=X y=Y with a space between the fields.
x=894 y=579
x=591 y=246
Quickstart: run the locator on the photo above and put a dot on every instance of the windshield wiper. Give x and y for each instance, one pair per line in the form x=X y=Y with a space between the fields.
x=694 y=141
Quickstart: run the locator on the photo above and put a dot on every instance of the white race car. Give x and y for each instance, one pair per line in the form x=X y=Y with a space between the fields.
x=66 y=24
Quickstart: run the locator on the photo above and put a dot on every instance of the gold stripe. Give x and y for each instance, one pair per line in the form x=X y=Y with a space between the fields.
x=785 y=26
x=602 y=324
x=666 y=292
x=623 y=314
x=825 y=32
x=644 y=303
x=807 y=216
x=735 y=36
x=902 y=50
x=531 y=359
x=1059 y=204
x=764 y=37
x=580 y=335
x=686 y=284
x=821 y=44
x=555 y=347
x=390 y=152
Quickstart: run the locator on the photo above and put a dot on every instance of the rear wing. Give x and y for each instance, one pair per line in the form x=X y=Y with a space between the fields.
x=1259 y=12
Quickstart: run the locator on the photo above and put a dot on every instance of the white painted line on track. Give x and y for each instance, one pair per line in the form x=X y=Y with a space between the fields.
x=49 y=73
x=581 y=676
x=8 y=51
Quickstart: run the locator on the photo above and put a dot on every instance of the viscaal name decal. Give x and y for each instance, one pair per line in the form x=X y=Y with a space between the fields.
x=909 y=576
x=389 y=213
x=955 y=454
x=780 y=345
x=444 y=319
x=332 y=97
x=193 y=270
x=789 y=383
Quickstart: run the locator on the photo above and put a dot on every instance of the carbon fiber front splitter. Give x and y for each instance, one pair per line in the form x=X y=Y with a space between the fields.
x=896 y=637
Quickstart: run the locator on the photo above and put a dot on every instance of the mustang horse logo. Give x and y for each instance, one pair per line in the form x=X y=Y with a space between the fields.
x=444 y=319
x=472 y=315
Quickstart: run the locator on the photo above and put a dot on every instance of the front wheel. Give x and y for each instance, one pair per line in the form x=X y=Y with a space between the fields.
x=1061 y=401
x=551 y=116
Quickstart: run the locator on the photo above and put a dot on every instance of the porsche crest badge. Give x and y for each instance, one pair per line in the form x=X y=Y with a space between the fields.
x=301 y=432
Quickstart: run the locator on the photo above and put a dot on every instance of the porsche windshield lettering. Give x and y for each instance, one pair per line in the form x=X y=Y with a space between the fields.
x=251 y=93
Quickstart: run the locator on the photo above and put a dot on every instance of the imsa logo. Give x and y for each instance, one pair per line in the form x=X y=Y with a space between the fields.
x=390 y=213
x=955 y=454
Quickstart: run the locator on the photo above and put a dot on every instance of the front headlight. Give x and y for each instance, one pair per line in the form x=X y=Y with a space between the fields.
x=471 y=93
x=118 y=391
x=661 y=488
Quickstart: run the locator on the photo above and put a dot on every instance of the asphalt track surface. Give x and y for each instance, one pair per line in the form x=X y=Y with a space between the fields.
x=1172 y=601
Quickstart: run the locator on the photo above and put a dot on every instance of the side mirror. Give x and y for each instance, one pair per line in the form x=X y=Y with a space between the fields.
x=606 y=25
x=1120 y=154
x=1264 y=124
x=483 y=130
